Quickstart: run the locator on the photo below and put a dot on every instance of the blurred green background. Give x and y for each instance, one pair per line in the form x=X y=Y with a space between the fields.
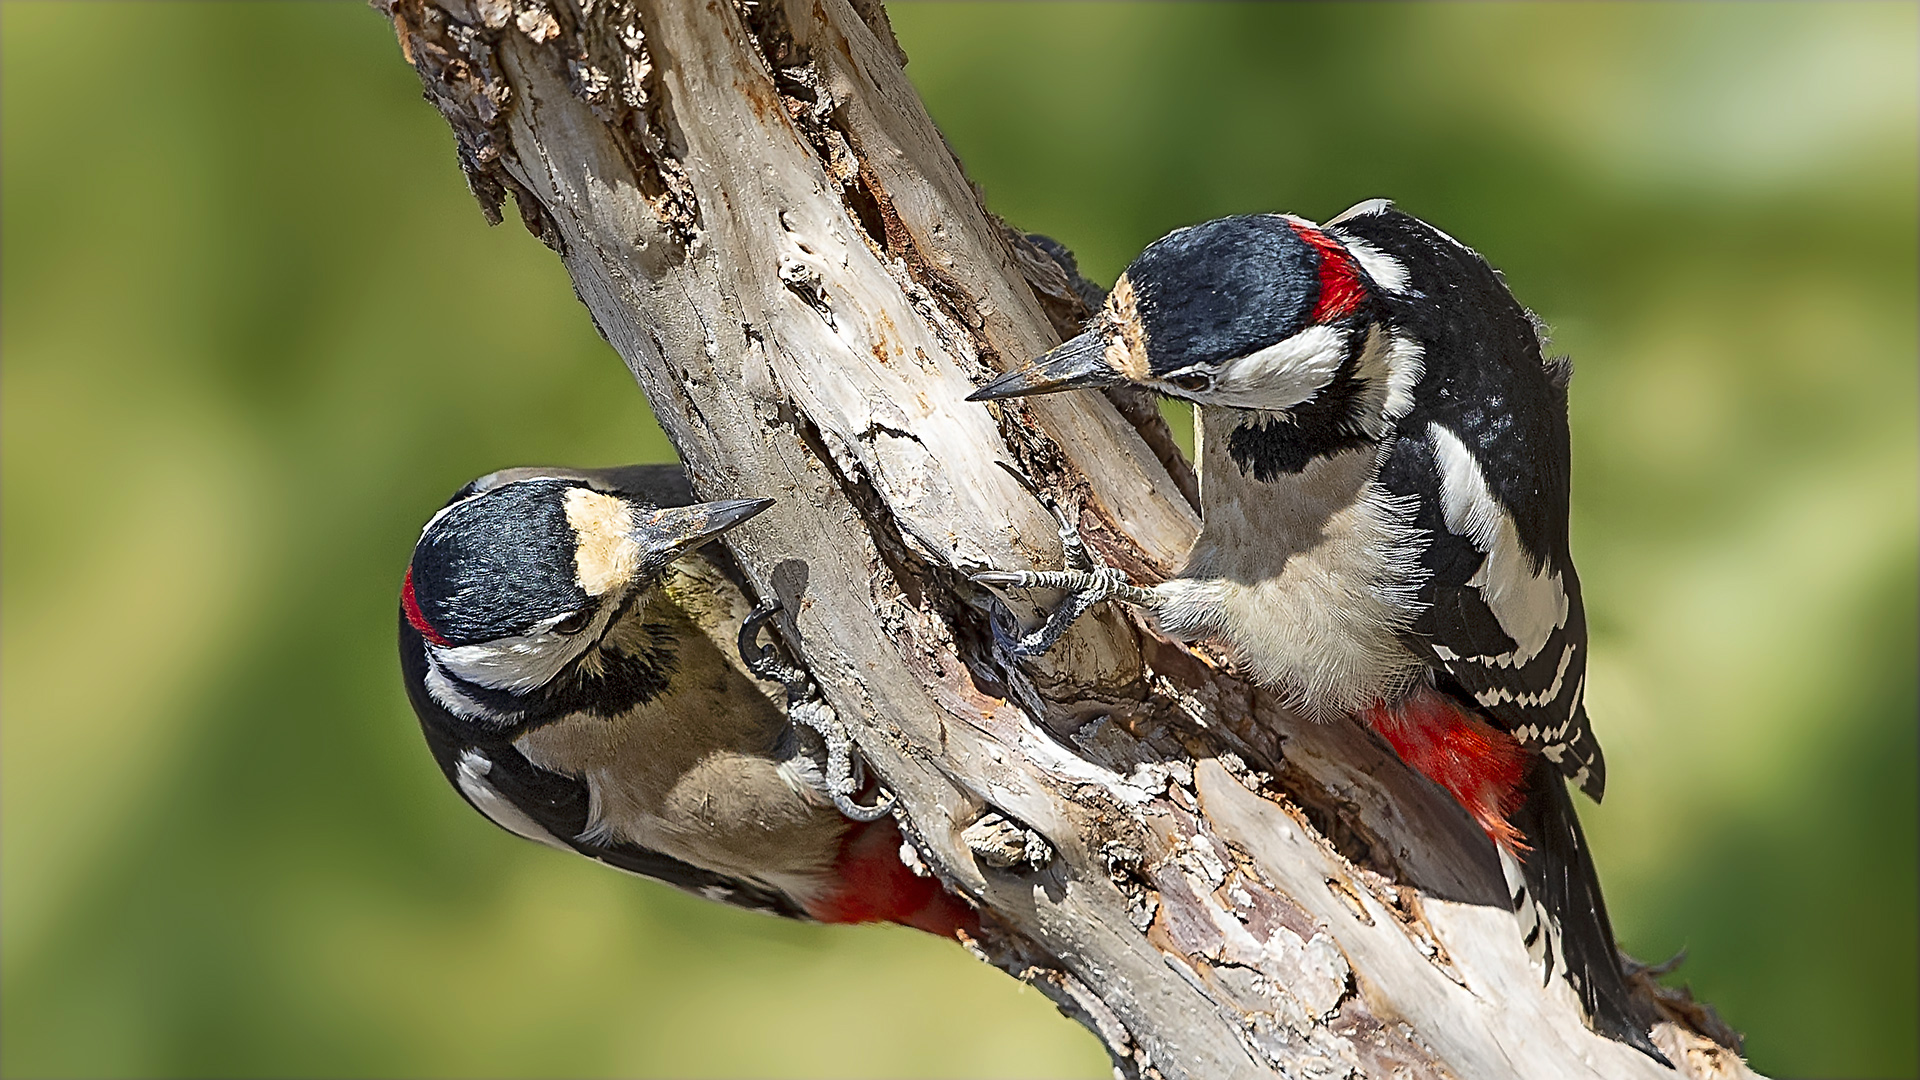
x=255 y=331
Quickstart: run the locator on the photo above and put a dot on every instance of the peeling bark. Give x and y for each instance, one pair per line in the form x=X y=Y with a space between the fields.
x=767 y=226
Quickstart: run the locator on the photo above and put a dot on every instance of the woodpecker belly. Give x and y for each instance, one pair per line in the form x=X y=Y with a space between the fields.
x=1310 y=577
x=714 y=797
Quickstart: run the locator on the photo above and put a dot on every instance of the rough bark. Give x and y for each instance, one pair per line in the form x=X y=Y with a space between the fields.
x=764 y=222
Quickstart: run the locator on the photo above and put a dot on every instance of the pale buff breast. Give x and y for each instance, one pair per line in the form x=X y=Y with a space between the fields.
x=691 y=773
x=1308 y=579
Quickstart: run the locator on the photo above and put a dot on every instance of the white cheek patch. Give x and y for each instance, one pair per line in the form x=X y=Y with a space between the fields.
x=1283 y=374
x=517 y=663
x=1528 y=604
x=1371 y=373
x=470 y=773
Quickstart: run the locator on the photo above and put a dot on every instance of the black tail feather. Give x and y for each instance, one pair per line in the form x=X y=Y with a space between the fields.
x=1559 y=873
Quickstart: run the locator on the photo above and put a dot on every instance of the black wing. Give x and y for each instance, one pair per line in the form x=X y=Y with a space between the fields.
x=1484 y=449
x=556 y=803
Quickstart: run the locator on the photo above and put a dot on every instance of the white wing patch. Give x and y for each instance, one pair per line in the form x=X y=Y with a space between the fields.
x=470 y=773
x=1529 y=605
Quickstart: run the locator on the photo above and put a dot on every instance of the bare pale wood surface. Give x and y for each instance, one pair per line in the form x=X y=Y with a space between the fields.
x=764 y=222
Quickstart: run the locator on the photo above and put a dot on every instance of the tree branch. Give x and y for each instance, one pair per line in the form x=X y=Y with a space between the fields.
x=768 y=227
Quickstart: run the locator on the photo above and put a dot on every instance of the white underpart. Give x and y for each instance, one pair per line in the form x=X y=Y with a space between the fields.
x=470 y=773
x=1529 y=604
x=1281 y=375
x=689 y=772
x=1309 y=578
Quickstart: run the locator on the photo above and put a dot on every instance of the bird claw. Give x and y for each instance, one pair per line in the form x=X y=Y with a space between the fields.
x=806 y=708
x=1073 y=549
x=763 y=660
x=843 y=779
x=1086 y=581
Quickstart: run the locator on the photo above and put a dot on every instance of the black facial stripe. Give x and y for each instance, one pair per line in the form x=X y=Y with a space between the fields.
x=1326 y=425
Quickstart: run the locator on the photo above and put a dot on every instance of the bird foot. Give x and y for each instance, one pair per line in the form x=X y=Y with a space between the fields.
x=764 y=660
x=807 y=708
x=1086 y=580
x=843 y=771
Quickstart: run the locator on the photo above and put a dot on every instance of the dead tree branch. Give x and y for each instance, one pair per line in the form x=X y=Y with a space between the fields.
x=767 y=226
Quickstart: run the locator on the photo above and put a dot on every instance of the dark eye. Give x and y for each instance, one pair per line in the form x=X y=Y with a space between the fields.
x=1192 y=381
x=573 y=623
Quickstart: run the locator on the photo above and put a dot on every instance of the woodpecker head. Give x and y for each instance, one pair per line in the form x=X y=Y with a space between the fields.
x=1263 y=311
x=528 y=595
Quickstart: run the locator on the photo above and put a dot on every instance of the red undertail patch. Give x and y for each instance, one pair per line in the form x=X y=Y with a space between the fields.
x=877 y=887
x=1341 y=289
x=411 y=605
x=1479 y=765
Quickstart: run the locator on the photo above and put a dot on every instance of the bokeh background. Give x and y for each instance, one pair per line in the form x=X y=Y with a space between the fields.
x=255 y=331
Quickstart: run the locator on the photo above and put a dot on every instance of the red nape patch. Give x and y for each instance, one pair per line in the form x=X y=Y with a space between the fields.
x=877 y=887
x=1341 y=289
x=1478 y=764
x=414 y=618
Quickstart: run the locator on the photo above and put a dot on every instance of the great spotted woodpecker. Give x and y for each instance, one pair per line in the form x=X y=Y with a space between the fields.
x=1383 y=456
x=578 y=664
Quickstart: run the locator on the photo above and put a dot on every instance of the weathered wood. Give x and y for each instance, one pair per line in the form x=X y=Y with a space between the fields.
x=767 y=226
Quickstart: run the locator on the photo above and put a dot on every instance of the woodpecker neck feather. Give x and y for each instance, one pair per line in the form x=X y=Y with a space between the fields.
x=410 y=604
x=1342 y=290
x=1358 y=404
x=631 y=664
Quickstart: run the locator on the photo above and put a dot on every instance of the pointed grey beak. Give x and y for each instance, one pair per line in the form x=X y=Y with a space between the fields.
x=1079 y=363
x=670 y=532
